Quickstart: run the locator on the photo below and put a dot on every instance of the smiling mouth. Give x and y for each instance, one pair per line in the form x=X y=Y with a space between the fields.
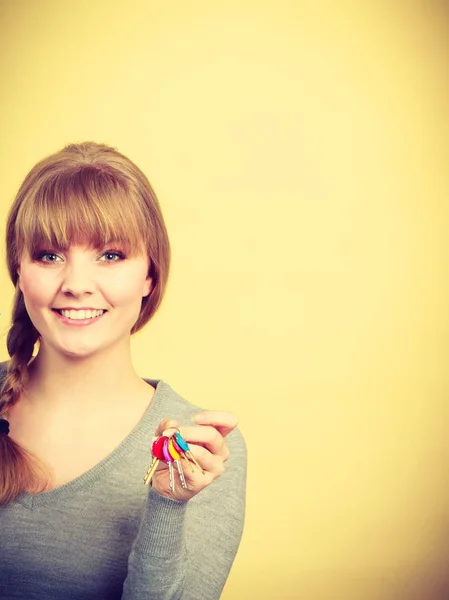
x=80 y=315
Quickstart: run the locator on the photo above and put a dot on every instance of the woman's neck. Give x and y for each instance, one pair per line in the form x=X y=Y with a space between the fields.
x=99 y=378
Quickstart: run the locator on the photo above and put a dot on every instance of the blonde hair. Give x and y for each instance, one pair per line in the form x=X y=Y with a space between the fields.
x=85 y=194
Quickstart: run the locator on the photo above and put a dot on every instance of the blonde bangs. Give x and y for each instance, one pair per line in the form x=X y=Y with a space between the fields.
x=89 y=206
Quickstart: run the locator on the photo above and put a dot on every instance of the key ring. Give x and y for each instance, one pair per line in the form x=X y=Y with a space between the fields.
x=170 y=449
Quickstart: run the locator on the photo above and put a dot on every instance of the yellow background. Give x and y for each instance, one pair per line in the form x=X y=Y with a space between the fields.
x=300 y=153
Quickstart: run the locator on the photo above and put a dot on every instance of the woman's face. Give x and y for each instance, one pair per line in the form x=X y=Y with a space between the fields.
x=83 y=300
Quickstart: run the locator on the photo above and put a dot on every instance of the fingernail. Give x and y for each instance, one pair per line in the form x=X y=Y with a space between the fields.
x=199 y=418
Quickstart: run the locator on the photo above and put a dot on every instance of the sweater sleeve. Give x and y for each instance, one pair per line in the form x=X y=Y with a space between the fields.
x=184 y=551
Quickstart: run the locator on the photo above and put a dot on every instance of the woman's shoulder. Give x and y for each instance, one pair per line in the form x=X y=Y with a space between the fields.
x=168 y=402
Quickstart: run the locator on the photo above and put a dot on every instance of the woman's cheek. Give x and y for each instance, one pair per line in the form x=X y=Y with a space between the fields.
x=123 y=290
x=35 y=286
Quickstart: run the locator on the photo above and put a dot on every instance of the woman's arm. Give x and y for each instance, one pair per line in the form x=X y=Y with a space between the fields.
x=185 y=549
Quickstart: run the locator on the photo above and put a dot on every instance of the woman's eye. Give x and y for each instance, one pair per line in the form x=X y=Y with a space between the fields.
x=48 y=257
x=112 y=256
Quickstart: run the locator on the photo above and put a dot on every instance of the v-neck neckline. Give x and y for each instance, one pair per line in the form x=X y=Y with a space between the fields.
x=145 y=427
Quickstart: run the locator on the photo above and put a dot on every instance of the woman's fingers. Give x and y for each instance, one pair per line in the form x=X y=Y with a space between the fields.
x=166 y=426
x=213 y=428
x=205 y=436
x=211 y=463
x=224 y=422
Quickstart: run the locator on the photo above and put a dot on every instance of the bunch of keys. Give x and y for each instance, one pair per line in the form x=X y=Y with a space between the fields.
x=171 y=450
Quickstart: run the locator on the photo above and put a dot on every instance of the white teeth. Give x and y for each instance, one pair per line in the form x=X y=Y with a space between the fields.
x=81 y=314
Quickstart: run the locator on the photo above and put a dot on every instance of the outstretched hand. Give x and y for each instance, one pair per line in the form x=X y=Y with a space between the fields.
x=207 y=442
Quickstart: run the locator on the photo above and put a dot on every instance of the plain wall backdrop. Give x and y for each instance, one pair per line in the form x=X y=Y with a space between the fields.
x=299 y=150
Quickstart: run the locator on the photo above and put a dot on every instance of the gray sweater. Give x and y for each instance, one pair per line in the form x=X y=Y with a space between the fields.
x=105 y=536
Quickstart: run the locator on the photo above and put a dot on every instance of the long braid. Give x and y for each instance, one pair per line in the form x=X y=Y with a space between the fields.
x=20 y=344
x=20 y=470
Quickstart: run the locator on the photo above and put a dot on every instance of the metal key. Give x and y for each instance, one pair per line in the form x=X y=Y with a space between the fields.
x=176 y=458
x=169 y=460
x=185 y=448
x=152 y=468
x=156 y=450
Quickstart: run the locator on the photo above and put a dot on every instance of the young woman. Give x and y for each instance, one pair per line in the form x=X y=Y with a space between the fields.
x=88 y=254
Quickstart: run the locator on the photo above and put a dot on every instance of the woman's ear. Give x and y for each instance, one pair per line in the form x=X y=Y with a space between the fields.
x=147 y=287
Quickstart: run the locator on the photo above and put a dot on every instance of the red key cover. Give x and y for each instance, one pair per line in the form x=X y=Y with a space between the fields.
x=157 y=447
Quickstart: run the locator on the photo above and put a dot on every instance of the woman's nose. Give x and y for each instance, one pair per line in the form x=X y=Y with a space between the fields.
x=77 y=280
